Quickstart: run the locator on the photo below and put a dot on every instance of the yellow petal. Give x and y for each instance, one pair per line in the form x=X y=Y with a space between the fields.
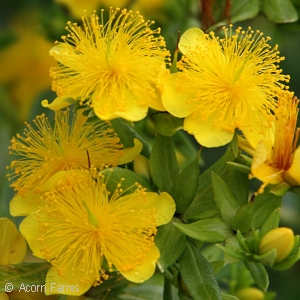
x=164 y=207
x=191 y=40
x=174 y=98
x=105 y=107
x=23 y=206
x=263 y=153
x=245 y=146
x=67 y=285
x=4 y=296
x=206 y=133
x=130 y=153
x=30 y=229
x=13 y=246
x=144 y=271
x=59 y=102
x=292 y=175
x=258 y=131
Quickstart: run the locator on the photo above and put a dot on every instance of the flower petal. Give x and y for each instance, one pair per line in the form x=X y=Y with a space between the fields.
x=175 y=100
x=206 y=133
x=106 y=108
x=144 y=271
x=13 y=246
x=59 y=102
x=191 y=40
x=67 y=285
x=131 y=153
x=23 y=206
x=164 y=207
x=292 y=175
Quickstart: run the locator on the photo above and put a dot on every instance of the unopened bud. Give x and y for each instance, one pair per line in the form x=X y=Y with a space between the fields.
x=141 y=166
x=281 y=239
x=250 y=293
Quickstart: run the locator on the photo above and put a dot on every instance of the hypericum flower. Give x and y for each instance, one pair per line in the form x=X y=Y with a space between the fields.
x=81 y=224
x=113 y=67
x=224 y=83
x=69 y=144
x=281 y=239
x=278 y=161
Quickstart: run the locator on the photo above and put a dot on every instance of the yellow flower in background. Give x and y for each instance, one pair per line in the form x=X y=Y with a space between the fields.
x=82 y=223
x=69 y=144
x=13 y=246
x=113 y=67
x=279 y=161
x=224 y=83
x=25 y=64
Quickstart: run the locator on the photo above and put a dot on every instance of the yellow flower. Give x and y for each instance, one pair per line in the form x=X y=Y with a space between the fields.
x=281 y=239
x=82 y=224
x=113 y=67
x=224 y=83
x=279 y=161
x=12 y=245
x=69 y=144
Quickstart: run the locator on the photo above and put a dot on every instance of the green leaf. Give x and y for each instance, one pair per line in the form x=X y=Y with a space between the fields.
x=267 y=259
x=239 y=167
x=171 y=243
x=170 y=291
x=237 y=255
x=204 y=198
x=113 y=176
x=244 y=9
x=213 y=230
x=126 y=133
x=259 y=274
x=280 y=11
x=166 y=124
x=243 y=243
x=185 y=186
x=271 y=223
x=288 y=262
x=224 y=198
x=243 y=218
x=164 y=167
x=229 y=297
x=198 y=275
x=264 y=205
x=26 y=274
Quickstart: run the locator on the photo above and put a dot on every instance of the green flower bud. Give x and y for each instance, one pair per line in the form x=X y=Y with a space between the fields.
x=141 y=166
x=250 y=293
x=281 y=239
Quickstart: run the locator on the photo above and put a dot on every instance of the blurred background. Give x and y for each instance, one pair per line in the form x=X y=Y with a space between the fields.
x=29 y=28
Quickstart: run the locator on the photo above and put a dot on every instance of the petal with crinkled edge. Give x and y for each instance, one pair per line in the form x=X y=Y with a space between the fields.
x=144 y=271
x=59 y=102
x=292 y=175
x=13 y=246
x=23 y=206
x=175 y=99
x=206 y=133
x=105 y=107
x=131 y=153
x=191 y=40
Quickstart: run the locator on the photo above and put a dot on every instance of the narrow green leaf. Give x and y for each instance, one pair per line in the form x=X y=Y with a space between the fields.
x=229 y=297
x=127 y=179
x=170 y=291
x=280 y=11
x=259 y=274
x=225 y=200
x=167 y=124
x=243 y=218
x=26 y=274
x=213 y=230
x=126 y=133
x=171 y=242
x=198 y=275
x=288 y=262
x=237 y=255
x=242 y=242
x=264 y=205
x=239 y=167
x=186 y=185
x=164 y=167
x=271 y=223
